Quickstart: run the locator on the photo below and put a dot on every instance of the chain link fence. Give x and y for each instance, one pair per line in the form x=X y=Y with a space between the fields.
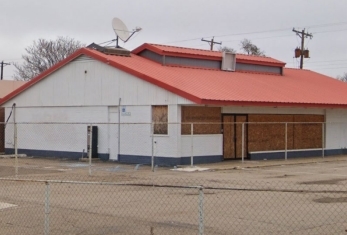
x=170 y=207
x=53 y=182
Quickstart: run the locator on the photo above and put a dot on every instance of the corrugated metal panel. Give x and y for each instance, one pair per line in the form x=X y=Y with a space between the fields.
x=152 y=56
x=189 y=62
x=258 y=68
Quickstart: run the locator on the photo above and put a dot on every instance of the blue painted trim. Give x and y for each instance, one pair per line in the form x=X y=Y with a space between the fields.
x=172 y=161
x=168 y=161
x=56 y=154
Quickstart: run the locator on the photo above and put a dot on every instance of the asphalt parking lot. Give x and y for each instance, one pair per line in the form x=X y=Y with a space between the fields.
x=302 y=196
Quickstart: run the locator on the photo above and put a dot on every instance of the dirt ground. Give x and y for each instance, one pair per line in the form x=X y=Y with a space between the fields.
x=113 y=198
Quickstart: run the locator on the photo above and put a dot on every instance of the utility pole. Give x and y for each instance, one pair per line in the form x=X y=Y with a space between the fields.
x=211 y=42
x=302 y=35
x=2 y=69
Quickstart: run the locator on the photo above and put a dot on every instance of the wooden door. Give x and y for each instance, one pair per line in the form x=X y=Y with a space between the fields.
x=232 y=136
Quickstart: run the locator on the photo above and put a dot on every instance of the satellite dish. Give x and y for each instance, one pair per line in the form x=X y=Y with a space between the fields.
x=120 y=29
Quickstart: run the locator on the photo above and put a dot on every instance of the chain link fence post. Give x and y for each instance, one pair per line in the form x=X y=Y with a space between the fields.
x=243 y=142
x=15 y=141
x=152 y=135
x=286 y=141
x=47 y=209
x=201 y=210
x=90 y=148
x=192 y=144
x=323 y=139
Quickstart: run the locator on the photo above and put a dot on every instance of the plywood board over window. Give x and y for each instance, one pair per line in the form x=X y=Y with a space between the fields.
x=160 y=119
x=206 y=120
x=303 y=132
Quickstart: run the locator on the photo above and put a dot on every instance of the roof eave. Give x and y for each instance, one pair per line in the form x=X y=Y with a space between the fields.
x=271 y=104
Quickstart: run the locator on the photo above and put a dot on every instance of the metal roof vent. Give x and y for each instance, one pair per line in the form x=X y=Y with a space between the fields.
x=228 y=61
x=110 y=50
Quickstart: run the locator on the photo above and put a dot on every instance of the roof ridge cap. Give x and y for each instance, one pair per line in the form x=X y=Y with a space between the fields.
x=189 y=48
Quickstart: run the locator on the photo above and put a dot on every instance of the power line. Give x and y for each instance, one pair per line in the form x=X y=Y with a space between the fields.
x=267 y=31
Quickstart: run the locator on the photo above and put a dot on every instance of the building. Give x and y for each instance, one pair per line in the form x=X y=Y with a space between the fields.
x=158 y=83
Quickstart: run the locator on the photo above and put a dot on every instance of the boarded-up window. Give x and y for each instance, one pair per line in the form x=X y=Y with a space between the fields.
x=160 y=119
x=267 y=132
x=206 y=120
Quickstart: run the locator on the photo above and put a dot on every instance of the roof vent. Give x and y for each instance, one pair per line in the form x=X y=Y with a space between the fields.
x=228 y=61
x=110 y=50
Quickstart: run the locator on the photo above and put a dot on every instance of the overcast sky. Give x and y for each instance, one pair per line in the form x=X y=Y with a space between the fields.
x=267 y=23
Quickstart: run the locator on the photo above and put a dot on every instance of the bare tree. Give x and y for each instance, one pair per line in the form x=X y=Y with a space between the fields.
x=343 y=77
x=227 y=49
x=43 y=54
x=248 y=47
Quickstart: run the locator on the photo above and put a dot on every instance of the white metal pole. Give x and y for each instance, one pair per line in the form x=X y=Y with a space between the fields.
x=192 y=144
x=286 y=141
x=47 y=209
x=243 y=142
x=119 y=110
x=323 y=139
x=15 y=141
x=152 y=134
x=90 y=149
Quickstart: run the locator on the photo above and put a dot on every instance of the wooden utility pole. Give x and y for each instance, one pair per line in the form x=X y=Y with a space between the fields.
x=302 y=35
x=2 y=69
x=211 y=42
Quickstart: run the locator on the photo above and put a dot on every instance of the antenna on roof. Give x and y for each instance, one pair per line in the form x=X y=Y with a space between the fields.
x=122 y=31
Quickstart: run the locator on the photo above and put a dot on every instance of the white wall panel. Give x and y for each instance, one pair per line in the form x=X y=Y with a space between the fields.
x=91 y=83
x=336 y=129
x=204 y=145
x=60 y=137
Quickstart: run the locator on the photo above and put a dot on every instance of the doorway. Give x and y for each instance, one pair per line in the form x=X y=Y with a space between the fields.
x=232 y=136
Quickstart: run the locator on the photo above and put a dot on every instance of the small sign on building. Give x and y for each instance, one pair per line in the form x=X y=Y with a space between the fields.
x=124 y=111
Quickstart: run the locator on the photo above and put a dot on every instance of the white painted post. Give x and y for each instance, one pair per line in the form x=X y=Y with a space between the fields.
x=15 y=141
x=243 y=142
x=47 y=209
x=323 y=139
x=90 y=148
x=192 y=144
x=286 y=141
x=201 y=211
x=152 y=134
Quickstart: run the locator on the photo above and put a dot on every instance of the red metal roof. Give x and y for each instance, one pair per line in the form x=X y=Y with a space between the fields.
x=296 y=88
x=206 y=54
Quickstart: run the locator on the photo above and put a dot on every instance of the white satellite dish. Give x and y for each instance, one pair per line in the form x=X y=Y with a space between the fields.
x=120 y=29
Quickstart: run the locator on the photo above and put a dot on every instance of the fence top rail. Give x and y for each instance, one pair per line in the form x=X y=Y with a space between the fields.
x=169 y=123
x=98 y=183
x=200 y=187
